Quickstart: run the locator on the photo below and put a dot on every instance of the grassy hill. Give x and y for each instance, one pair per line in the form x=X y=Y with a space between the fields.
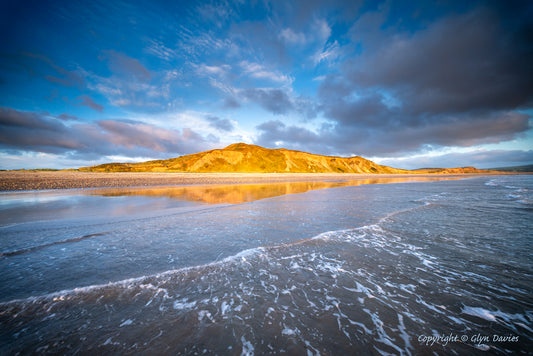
x=524 y=169
x=244 y=158
x=458 y=170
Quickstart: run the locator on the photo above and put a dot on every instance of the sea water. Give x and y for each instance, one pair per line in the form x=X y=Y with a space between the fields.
x=413 y=268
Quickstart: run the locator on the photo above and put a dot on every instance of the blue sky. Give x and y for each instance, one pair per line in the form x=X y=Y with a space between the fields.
x=405 y=83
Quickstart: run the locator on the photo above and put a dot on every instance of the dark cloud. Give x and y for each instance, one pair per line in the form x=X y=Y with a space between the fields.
x=479 y=159
x=275 y=134
x=306 y=106
x=363 y=109
x=89 y=102
x=273 y=100
x=277 y=131
x=135 y=134
x=60 y=75
x=220 y=124
x=263 y=38
x=65 y=116
x=54 y=94
x=36 y=132
x=121 y=64
x=131 y=84
x=458 y=64
x=279 y=102
x=40 y=132
x=231 y=103
x=349 y=139
x=458 y=82
x=464 y=131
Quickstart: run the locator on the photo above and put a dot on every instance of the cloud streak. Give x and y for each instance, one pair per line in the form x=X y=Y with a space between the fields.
x=86 y=100
x=41 y=132
x=59 y=75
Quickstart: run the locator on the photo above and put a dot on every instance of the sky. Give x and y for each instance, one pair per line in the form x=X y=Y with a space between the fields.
x=409 y=84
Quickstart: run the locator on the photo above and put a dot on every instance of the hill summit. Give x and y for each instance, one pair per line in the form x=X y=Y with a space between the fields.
x=244 y=158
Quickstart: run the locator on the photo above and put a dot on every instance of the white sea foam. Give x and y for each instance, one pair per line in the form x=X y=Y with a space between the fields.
x=519 y=194
x=240 y=257
x=126 y=322
x=479 y=312
x=482 y=347
x=496 y=316
x=184 y=304
x=247 y=347
x=492 y=183
x=288 y=332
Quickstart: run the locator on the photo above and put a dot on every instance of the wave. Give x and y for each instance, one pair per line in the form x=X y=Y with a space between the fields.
x=241 y=257
x=39 y=247
x=492 y=183
x=519 y=194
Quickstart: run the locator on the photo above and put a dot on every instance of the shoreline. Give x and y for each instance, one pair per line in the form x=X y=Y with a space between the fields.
x=55 y=180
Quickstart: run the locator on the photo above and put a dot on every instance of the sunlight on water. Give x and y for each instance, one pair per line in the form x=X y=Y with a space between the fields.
x=242 y=193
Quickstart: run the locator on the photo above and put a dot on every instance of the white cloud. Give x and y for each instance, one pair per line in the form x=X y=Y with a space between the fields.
x=329 y=53
x=171 y=75
x=225 y=88
x=159 y=50
x=131 y=84
x=291 y=37
x=193 y=46
x=206 y=70
x=218 y=14
x=258 y=71
x=322 y=29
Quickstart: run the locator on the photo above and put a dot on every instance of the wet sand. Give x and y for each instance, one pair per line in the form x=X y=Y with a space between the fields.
x=39 y=180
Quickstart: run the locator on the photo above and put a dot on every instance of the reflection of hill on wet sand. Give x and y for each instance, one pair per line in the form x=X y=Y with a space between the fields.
x=242 y=193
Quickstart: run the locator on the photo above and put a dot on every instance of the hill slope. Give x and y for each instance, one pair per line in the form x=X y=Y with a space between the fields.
x=526 y=169
x=458 y=170
x=244 y=158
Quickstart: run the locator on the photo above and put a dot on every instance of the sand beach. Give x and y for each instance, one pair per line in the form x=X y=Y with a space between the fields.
x=39 y=180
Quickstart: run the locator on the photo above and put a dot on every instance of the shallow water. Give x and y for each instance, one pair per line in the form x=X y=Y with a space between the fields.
x=370 y=269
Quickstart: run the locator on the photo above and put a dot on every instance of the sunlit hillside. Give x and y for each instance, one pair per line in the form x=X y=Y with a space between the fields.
x=244 y=158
